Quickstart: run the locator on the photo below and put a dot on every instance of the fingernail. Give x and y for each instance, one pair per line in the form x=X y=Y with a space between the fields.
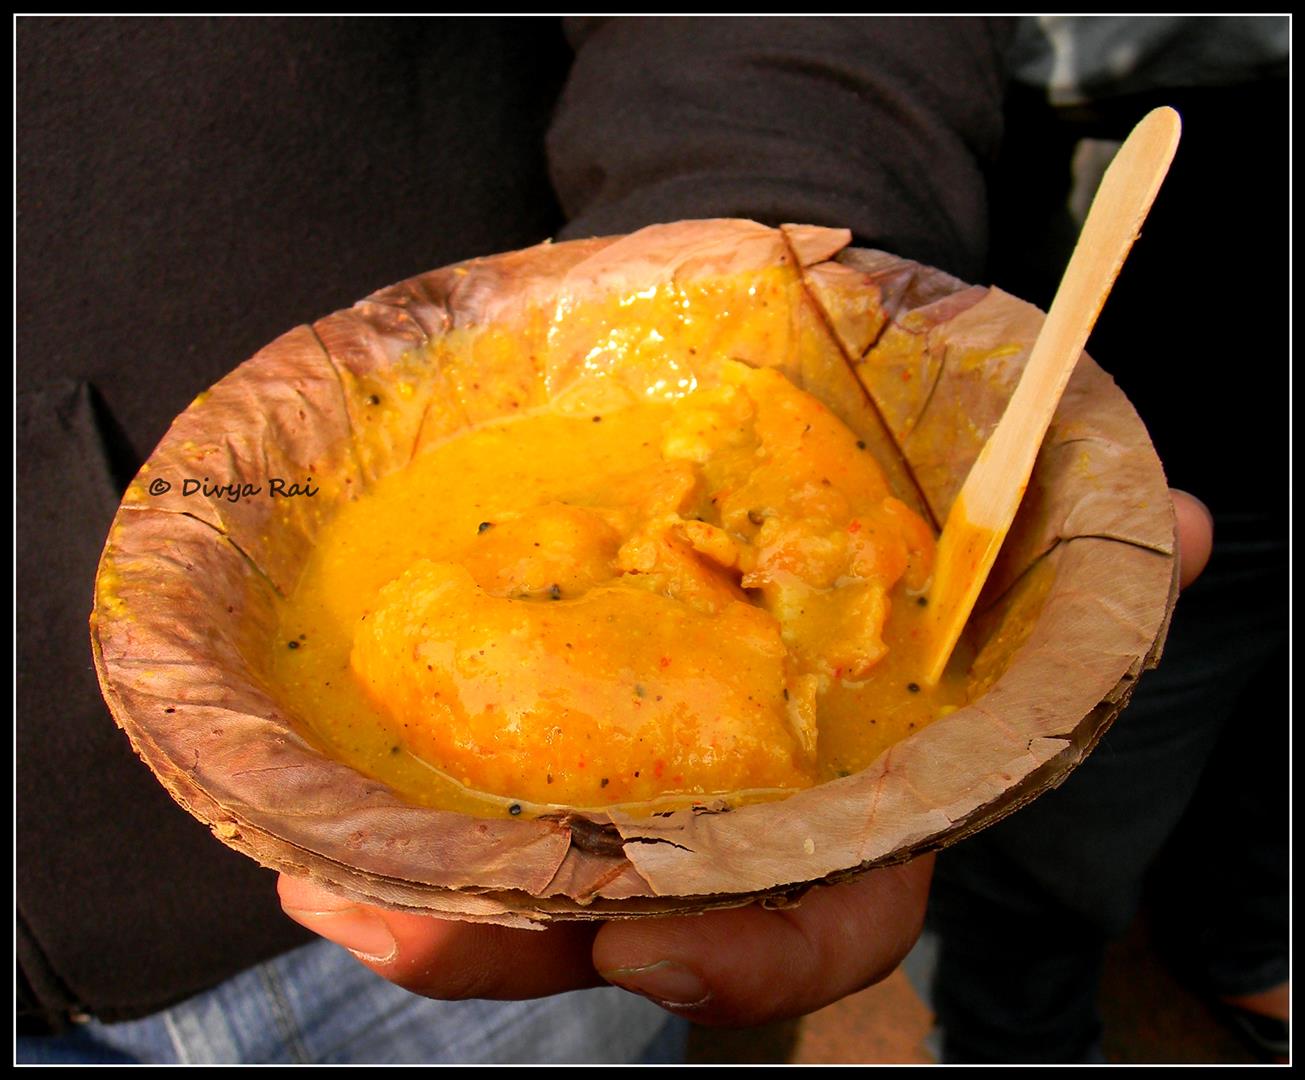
x=666 y=982
x=361 y=932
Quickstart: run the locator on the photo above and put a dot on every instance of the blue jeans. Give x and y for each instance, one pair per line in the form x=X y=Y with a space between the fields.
x=318 y=1004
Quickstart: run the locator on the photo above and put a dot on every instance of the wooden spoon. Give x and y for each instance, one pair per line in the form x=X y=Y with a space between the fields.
x=982 y=513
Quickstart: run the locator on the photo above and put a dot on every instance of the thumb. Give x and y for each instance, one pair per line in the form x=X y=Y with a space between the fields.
x=753 y=965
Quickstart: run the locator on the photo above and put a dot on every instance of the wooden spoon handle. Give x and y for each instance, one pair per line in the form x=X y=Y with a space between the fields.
x=982 y=513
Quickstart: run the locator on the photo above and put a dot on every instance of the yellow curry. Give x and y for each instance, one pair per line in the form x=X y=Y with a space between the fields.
x=708 y=595
x=670 y=577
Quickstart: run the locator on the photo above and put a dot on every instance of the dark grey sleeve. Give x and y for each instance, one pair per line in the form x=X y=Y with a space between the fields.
x=885 y=126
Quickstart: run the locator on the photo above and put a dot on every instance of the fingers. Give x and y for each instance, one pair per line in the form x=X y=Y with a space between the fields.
x=1195 y=535
x=741 y=966
x=445 y=959
x=753 y=965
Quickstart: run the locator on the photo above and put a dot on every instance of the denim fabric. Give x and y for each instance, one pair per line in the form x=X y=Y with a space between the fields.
x=317 y=1004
